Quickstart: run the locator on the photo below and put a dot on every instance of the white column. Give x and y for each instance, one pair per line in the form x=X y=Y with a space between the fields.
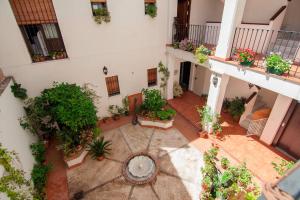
x=171 y=62
x=232 y=17
x=217 y=89
x=278 y=113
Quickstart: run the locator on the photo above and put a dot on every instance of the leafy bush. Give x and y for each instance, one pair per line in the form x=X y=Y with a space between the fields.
x=166 y=114
x=39 y=177
x=186 y=45
x=275 y=64
x=153 y=100
x=237 y=107
x=101 y=15
x=38 y=151
x=283 y=166
x=18 y=91
x=245 y=56
x=225 y=162
x=151 y=9
x=202 y=54
x=99 y=147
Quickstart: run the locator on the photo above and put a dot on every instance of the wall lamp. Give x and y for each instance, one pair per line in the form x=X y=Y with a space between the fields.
x=105 y=70
x=215 y=80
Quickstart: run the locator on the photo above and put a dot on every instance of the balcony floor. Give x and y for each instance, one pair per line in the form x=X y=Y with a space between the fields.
x=233 y=142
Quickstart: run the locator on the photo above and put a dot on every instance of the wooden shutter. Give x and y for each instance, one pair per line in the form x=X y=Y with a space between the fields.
x=112 y=85
x=152 y=76
x=33 y=11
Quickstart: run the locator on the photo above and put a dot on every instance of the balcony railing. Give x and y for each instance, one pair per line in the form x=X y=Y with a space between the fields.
x=207 y=35
x=263 y=42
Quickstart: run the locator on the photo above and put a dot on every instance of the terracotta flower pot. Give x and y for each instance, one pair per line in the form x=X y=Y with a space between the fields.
x=224 y=166
x=203 y=134
x=100 y=158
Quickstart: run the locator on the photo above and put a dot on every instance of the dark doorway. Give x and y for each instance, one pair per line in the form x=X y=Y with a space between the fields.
x=184 y=78
x=183 y=19
x=288 y=137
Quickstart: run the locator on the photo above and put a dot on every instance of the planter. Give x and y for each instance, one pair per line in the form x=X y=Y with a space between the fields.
x=275 y=71
x=155 y=123
x=76 y=158
x=247 y=63
x=100 y=158
x=203 y=134
x=224 y=166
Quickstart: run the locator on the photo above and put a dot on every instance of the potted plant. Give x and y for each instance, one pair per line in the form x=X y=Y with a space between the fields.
x=202 y=54
x=206 y=183
x=275 y=64
x=216 y=127
x=237 y=108
x=245 y=57
x=206 y=117
x=99 y=148
x=151 y=9
x=224 y=163
x=38 y=58
x=101 y=15
x=177 y=90
x=186 y=45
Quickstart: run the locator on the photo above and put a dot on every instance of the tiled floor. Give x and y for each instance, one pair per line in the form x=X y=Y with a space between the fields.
x=234 y=141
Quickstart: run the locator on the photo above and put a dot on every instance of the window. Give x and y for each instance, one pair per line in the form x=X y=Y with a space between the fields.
x=152 y=77
x=112 y=85
x=98 y=5
x=39 y=27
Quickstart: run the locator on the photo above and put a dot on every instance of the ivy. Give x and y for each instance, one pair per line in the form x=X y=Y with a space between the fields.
x=165 y=74
x=13 y=183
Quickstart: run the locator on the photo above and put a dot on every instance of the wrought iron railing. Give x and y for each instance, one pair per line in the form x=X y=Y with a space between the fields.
x=198 y=34
x=263 y=42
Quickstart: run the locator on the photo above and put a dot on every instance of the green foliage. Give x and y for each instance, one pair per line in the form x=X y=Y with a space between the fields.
x=225 y=162
x=166 y=114
x=38 y=151
x=153 y=100
x=13 y=182
x=18 y=91
x=101 y=15
x=177 y=90
x=202 y=54
x=151 y=9
x=99 y=147
x=237 y=107
x=217 y=128
x=275 y=64
x=206 y=116
x=39 y=177
x=165 y=74
x=283 y=166
x=96 y=132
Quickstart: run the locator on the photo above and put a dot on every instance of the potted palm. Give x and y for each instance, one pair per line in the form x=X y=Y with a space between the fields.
x=99 y=148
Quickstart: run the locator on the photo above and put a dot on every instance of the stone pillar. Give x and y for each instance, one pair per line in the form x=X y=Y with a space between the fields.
x=217 y=89
x=171 y=62
x=232 y=17
x=278 y=113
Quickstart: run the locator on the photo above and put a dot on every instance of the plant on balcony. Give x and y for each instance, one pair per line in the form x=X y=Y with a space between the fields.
x=237 y=108
x=38 y=58
x=151 y=9
x=283 y=166
x=153 y=106
x=18 y=91
x=99 y=148
x=275 y=64
x=202 y=54
x=177 y=90
x=245 y=57
x=186 y=45
x=101 y=15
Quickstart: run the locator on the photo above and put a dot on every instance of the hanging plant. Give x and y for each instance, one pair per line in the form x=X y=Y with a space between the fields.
x=165 y=74
x=202 y=54
x=101 y=15
x=151 y=9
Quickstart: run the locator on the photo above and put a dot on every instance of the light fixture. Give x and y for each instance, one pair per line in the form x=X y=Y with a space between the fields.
x=105 y=70
x=215 y=80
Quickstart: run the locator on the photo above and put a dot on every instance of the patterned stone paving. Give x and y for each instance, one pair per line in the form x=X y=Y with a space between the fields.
x=179 y=176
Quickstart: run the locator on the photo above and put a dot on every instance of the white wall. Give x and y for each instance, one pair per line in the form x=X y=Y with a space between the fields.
x=268 y=97
x=206 y=10
x=12 y=136
x=128 y=45
x=237 y=88
x=291 y=21
x=258 y=11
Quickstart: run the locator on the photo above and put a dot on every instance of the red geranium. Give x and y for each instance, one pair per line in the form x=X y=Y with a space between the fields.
x=244 y=55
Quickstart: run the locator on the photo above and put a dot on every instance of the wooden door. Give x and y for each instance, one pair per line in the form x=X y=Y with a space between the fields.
x=288 y=138
x=183 y=18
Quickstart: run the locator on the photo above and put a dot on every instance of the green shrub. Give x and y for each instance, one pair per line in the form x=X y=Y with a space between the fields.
x=151 y=9
x=202 y=54
x=283 y=166
x=38 y=151
x=275 y=64
x=166 y=114
x=206 y=116
x=18 y=91
x=153 y=100
x=99 y=147
x=39 y=177
x=224 y=162
x=237 y=107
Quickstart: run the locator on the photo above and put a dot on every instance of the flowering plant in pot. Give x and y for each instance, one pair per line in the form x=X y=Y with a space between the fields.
x=275 y=64
x=186 y=45
x=224 y=163
x=245 y=56
x=202 y=54
x=99 y=148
